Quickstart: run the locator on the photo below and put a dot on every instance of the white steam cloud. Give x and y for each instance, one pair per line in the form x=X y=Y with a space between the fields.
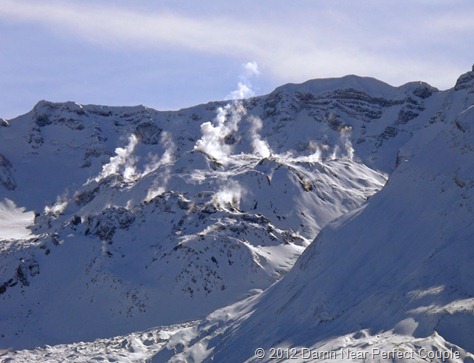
x=125 y=163
x=243 y=90
x=251 y=69
x=216 y=140
x=260 y=147
x=228 y=195
x=218 y=136
x=315 y=157
x=244 y=87
x=168 y=156
x=162 y=167
x=345 y=150
x=346 y=142
x=59 y=206
x=122 y=161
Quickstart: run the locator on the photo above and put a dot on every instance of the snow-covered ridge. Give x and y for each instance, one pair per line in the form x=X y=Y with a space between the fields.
x=147 y=218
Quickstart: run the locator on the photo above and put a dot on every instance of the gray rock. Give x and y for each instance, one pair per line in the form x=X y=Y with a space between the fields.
x=424 y=90
x=110 y=220
x=43 y=120
x=465 y=81
x=83 y=197
x=6 y=177
x=148 y=133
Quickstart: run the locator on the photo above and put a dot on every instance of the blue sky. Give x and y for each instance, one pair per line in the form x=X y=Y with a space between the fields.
x=173 y=54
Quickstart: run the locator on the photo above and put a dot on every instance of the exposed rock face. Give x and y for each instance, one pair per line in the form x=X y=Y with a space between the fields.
x=465 y=81
x=424 y=90
x=110 y=220
x=26 y=269
x=148 y=133
x=350 y=101
x=85 y=196
x=6 y=177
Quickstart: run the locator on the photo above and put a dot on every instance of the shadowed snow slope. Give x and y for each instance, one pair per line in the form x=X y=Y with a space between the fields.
x=163 y=217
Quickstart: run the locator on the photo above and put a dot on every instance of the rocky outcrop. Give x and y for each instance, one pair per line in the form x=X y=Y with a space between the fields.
x=465 y=81
x=351 y=101
x=26 y=269
x=424 y=90
x=6 y=177
x=148 y=133
x=110 y=220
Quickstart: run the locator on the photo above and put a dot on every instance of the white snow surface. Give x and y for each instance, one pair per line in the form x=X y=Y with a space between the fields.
x=14 y=221
x=148 y=219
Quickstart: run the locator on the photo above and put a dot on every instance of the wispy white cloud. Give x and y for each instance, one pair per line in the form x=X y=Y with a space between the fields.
x=250 y=69
x=393 y=43
x=112 y=26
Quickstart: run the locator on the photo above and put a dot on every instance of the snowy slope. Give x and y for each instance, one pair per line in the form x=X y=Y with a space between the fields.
x=147 y=218
x=14 y=221
x=394 y=275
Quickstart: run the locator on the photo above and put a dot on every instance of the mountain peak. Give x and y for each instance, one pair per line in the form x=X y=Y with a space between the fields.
x=322 y=85
x=465 y=81
x=419 y=89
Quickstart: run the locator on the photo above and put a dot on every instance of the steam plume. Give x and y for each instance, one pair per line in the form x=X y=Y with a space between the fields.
x=162 y=167
x=260 y=147
x=214 y=136
x=217 y=136
x=123 y=160
x=228 y=195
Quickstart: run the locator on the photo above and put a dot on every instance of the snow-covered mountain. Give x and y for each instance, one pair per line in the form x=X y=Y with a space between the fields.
x=116 y=220
x=394 y=275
